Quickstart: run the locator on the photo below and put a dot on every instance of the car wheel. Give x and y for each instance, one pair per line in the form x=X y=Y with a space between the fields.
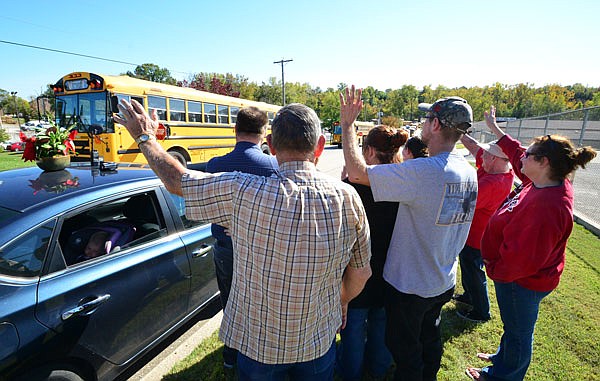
x=53 y=374
x=179 y=157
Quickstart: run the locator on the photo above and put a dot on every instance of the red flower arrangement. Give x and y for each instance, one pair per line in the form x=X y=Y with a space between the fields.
x=48 y=142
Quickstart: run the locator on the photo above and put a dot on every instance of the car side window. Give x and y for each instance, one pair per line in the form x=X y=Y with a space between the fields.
x=24 y=256
x=180 y=205
x=111 y=227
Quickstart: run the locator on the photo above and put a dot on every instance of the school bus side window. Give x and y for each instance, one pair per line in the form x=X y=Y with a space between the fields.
x=234 y=111
x=194 y=111
x=223 y=114
x=177 y=110
x=160 y=105
x=271 y=116
x=210 y=113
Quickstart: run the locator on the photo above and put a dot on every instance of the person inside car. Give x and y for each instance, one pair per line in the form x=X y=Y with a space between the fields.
x=97 y=245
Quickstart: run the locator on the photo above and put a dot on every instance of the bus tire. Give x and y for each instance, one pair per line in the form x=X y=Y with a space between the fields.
x=179 y=157
x=265 y=149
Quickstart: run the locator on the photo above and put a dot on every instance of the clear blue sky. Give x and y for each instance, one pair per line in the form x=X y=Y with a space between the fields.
x=382 y=43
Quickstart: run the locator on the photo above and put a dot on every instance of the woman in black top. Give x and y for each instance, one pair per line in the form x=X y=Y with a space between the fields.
x=366 y=313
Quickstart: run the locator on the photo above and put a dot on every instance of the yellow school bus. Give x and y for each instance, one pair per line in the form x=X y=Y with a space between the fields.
x=362 y=130
x=194 y=125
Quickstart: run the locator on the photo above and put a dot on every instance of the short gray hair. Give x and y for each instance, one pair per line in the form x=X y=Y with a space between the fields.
x=296 y=128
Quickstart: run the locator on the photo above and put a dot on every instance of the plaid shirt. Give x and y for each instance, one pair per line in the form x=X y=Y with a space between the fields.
x=293 y=234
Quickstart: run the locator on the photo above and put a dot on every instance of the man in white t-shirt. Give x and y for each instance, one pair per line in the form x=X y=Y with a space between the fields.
x=436 y=197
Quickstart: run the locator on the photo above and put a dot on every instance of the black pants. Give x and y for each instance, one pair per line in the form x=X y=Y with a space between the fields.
x=413 y=334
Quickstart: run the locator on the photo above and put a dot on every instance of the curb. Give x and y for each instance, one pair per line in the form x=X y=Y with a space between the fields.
x=179 y=350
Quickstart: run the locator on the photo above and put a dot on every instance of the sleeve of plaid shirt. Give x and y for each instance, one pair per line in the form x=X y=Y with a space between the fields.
x=209 y=197
x=361 y=251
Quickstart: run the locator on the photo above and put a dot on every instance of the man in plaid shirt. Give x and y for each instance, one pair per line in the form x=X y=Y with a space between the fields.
x=301 y=244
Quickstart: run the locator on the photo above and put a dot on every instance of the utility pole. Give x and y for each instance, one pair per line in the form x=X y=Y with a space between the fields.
x=14 y=94
x=282 y=77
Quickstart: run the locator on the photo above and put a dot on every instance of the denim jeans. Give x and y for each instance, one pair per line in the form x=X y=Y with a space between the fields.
x=319 y=369
x=223 y=255
x=474 y=281
x=363 y=344
x=519 y=311
x=413 y=334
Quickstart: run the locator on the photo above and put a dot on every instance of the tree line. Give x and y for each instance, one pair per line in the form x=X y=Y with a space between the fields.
x=396 y=105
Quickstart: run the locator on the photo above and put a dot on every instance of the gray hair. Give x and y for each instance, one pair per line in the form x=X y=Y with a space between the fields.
x=296 y=128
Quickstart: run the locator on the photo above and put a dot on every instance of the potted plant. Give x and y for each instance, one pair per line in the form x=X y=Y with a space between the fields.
x=49 y=147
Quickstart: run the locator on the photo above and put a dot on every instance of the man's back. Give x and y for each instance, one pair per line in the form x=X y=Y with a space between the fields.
x=246 y=157
x=437 y=201
x=294 y=234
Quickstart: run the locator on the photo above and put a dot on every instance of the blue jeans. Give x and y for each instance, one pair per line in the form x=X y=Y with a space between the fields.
x=363 y=344
x=223 y=255
x=319 y=369
x=413 y=333
x=474 y=281
x=519 y=311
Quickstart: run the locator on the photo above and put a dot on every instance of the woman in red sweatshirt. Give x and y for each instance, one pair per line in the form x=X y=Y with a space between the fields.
x=523 y=245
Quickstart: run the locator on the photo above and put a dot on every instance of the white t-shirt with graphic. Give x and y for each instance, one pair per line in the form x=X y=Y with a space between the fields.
x=437 y=198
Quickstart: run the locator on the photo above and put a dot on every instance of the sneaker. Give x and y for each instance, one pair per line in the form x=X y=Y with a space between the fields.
x=471 y=316
x=461 y=298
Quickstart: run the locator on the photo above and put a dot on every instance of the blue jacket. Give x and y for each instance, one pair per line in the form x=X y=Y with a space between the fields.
x=248 y=158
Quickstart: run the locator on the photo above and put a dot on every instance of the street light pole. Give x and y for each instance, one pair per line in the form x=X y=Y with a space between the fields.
x=282 y=77
x=14 y=94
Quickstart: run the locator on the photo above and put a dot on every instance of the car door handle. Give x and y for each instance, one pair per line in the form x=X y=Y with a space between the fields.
x=86 y=307
x=202 y=251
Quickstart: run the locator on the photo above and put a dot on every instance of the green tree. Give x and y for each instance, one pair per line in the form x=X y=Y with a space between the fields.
x=269 y=92
x=154 y=73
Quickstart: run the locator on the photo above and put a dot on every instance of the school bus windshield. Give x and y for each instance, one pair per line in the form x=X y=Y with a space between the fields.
x=85 y=109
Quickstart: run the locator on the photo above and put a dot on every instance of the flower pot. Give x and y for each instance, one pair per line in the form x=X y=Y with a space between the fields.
x=56 y=163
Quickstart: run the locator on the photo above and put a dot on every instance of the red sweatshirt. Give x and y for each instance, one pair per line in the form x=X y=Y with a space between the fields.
x=493 y=189
x=525 y=240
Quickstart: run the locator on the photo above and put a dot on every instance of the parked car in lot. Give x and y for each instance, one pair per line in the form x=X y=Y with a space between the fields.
x=65 y=317
x=28 y=126
x=16 y=146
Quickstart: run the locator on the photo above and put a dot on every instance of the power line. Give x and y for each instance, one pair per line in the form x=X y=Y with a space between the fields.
x=65 y=52
x=83 y=55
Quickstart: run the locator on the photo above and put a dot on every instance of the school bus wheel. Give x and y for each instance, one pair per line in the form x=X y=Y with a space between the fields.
x=179 y=157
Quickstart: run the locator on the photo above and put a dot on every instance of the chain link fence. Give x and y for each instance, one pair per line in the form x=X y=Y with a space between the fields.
x=582 y=127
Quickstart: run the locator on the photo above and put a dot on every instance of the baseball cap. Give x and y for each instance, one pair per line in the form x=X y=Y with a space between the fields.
x=493 y=148
x=453 y=112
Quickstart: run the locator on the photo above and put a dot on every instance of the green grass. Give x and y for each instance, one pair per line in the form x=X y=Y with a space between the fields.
x=11 y=160
x=567 y=336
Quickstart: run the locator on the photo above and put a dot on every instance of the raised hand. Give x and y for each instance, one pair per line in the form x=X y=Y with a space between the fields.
x=490 y=121
x=350 y=106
